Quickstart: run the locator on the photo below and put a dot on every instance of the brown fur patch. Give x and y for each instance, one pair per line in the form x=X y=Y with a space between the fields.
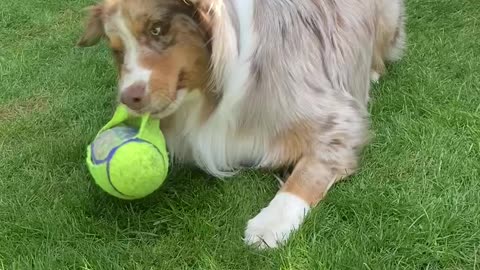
x=93 y=27
x=178 y=67
x=289 y=146
x=311 y=179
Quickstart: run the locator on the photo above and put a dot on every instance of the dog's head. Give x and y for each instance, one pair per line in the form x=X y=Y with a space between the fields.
x=159 y=47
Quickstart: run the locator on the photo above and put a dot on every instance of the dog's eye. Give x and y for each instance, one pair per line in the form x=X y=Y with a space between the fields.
x=159 y=29
x=156 y=30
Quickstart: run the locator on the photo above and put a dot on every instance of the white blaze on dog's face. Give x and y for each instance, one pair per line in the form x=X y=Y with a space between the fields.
x=159 y=48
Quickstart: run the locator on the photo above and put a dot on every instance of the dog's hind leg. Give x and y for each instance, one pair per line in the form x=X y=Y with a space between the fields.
x=390 y=36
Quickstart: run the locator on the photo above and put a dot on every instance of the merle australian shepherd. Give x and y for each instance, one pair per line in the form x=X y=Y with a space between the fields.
x=258 y=83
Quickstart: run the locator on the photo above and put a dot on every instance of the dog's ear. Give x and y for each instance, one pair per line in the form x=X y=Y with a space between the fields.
x=93 y=31
x=203 y=14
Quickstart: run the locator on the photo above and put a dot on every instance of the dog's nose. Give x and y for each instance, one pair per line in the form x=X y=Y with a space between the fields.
x=134 y=96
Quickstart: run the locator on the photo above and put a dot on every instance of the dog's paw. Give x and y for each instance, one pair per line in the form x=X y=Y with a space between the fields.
x=274 y=224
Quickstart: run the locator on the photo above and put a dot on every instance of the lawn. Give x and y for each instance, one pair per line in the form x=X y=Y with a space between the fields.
x=415 y=204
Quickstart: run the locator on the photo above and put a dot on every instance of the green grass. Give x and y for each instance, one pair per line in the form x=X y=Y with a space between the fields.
x=415 y=204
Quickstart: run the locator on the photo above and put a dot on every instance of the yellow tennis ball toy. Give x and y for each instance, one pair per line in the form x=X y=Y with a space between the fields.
x=128 y=158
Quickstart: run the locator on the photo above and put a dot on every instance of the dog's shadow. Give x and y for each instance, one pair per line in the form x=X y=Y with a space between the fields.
x=182 y=184
x=188 y=196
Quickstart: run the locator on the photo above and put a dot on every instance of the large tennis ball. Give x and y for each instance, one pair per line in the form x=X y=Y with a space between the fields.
x=128 y=162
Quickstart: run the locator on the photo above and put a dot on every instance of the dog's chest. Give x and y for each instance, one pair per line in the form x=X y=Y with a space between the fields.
x=217 y=145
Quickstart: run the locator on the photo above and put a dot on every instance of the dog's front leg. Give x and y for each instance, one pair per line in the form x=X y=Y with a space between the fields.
x=306 y=186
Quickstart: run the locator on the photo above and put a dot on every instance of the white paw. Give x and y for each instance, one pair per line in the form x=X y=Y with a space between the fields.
x=274 y=224
x=374 y=76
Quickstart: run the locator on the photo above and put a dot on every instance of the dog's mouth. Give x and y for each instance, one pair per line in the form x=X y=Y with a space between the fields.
x=164 y=106
x=170 y=108
x=181 y=92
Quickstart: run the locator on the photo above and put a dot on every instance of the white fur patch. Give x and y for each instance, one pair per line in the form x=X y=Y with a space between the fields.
x=134 y=73
x=274 y=224
x=237 y=69
x=216 y=145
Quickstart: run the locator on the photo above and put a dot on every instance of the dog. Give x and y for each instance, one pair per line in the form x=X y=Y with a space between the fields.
x=265 y=84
